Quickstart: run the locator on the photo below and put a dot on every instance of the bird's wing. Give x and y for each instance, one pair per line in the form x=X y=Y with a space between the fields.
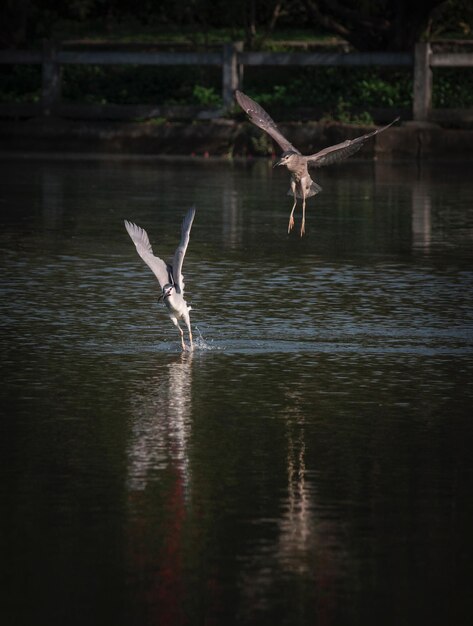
x=180 y=252
x=341 y=151
x=260 y=118
x=143 y=246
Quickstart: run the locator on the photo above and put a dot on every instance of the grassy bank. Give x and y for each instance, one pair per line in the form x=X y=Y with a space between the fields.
x=338 y=93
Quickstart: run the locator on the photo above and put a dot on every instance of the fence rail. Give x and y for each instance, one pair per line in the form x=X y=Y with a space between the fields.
x=325 y=58
x=232 y=59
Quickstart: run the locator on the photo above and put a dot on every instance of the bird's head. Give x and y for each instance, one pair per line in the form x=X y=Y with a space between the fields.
x=167 y=291
x=286 y=158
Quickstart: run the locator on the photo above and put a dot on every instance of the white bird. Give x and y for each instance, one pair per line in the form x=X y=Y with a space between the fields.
x=169 y=275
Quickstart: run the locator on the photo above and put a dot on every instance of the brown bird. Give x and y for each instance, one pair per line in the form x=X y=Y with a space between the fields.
x=302 y=185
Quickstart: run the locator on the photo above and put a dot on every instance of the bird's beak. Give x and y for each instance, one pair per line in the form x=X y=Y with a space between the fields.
x=278 y=162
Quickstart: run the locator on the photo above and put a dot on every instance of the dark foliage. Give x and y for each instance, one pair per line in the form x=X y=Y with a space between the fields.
x=368 y=25
x=376 y=25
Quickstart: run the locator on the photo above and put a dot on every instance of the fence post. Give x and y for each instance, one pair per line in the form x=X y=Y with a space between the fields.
x=231 y=71
x=51 y=78
x=422 y=105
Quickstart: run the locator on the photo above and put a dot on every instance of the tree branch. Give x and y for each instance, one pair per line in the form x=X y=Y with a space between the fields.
x=275 y=15
x=325 y=20
x=362 y=19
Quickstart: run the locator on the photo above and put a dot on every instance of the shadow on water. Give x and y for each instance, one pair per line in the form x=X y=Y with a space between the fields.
x=309 y=463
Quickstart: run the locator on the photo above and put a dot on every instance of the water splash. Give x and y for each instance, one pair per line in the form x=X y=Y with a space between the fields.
x=201 y=344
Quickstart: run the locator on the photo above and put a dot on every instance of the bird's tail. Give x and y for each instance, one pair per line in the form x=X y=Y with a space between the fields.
x=313 y=190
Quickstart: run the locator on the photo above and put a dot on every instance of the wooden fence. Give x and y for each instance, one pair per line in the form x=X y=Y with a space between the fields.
x=232 y=59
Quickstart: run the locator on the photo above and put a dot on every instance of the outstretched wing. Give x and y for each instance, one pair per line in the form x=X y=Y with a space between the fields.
x=180 y=252
x=341 y=151
x=143 y=246
x=260 y=118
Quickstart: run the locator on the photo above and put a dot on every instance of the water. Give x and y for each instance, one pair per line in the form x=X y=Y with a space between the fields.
x=309 y=463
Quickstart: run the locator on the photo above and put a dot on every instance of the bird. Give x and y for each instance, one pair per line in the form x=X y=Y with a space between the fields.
x=169 y=275
x=302 y=185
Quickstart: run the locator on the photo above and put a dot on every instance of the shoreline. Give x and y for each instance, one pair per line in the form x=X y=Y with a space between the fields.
x=225 y=140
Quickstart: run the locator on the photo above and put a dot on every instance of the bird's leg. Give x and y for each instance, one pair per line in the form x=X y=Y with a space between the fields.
x=188 y=324
x=303 y=191
x=291 y=217
x=303 y=212
x=181 y=332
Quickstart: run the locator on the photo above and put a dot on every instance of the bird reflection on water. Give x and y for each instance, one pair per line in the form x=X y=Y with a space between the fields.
x=159 y=471
x=161 y=426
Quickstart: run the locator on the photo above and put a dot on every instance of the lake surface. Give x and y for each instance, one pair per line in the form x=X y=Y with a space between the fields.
x=310 y=463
